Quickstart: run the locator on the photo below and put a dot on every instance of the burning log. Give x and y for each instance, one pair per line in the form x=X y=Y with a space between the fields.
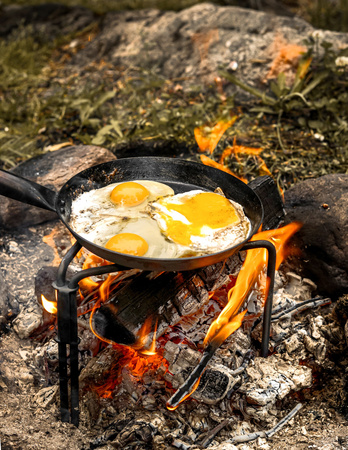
x=167 y=297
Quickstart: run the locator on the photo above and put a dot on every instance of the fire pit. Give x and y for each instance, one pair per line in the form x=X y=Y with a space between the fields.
x=185 y=305
x=172 y=171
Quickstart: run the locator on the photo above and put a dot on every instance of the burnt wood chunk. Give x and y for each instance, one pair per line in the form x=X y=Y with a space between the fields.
x=272 y=203
x=164 y=298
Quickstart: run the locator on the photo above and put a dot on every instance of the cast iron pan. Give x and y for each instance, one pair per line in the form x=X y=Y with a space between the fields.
x=181 y=175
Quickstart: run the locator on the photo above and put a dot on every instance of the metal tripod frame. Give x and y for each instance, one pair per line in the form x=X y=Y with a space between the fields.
x=67 y=322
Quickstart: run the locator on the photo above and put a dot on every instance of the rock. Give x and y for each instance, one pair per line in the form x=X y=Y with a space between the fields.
x=51 y=170
x=49 y=20
x=27 y=322
x=322 y=206
x=46 y=396
x=193 y=43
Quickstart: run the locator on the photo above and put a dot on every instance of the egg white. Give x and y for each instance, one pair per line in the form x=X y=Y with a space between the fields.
x=93 y=212
x=96 y=218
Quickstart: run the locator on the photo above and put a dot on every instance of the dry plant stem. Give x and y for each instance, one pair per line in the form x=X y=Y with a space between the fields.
x=266 y=434
x=311 y=303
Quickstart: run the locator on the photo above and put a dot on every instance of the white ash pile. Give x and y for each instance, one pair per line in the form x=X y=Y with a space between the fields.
x=239 y=393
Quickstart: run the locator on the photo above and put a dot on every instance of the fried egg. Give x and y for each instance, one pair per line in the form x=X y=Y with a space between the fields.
x=205 y=222
x=97 y=210
x=143 y=237
x=146 y=218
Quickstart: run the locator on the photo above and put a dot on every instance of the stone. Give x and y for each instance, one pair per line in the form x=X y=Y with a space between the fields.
x=51 y=170
x=46 y=396
x=321 y=205
x=27 y=322
x=193 y=43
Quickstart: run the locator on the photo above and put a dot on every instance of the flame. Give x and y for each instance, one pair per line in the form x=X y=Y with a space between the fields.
x=195 y=386
x=136 y=365
x=49 y=306
x=207 y=138
x=91 y=260
x=237 y=150
x=254 y=265
x=143 y=338
x=210 y=162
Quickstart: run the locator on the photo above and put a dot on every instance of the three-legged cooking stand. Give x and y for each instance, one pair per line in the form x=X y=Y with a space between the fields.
x=67 y=322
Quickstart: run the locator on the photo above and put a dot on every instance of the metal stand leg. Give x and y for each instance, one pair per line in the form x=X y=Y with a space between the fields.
x=68 y=333
x=271 y=265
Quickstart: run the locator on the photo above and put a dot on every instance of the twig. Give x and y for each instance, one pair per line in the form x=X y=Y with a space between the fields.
x=208 y=439
x=191 y=383
x=284 y=421
x=311 y=303
x=269 y=433
x=246 y=360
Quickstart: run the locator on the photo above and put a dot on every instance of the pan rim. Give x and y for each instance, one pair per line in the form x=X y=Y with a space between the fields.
x=132 y=261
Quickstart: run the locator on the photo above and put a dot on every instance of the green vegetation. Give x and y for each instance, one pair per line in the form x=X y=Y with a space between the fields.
x=302 y=128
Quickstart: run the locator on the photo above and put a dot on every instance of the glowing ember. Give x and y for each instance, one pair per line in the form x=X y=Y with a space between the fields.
x=254 y=266
x=49 y=306
x=207 y=138
x=137 y=365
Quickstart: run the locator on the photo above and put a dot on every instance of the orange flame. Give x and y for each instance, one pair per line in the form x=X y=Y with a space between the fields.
x=195 y=386
x=236 y=150
x=143 y=338
x=210 y=162
x=49 y=306
x=254 y=265
x=207 y=138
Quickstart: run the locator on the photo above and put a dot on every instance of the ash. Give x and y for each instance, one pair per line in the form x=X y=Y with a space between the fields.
x=123 y=395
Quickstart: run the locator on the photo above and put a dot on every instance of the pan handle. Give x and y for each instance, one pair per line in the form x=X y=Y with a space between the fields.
x=25 y=191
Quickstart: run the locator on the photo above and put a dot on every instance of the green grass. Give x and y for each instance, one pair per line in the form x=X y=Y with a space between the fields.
x=42 y=103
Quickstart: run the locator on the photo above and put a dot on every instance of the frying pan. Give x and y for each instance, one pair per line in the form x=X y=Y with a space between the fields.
x=181 y=175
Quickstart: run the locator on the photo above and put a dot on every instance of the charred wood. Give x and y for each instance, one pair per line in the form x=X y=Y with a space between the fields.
x=165 y=298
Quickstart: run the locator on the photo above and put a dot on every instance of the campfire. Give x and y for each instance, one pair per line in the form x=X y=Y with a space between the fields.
x=197 y=342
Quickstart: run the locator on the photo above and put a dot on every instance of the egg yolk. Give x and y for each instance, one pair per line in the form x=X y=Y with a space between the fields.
x=129 y=194
x=198 y=215
x=129 y=243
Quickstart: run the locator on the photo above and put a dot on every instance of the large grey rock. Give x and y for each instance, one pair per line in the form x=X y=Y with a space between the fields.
x=191 y=44
x=51 y=170
x=322 y=206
